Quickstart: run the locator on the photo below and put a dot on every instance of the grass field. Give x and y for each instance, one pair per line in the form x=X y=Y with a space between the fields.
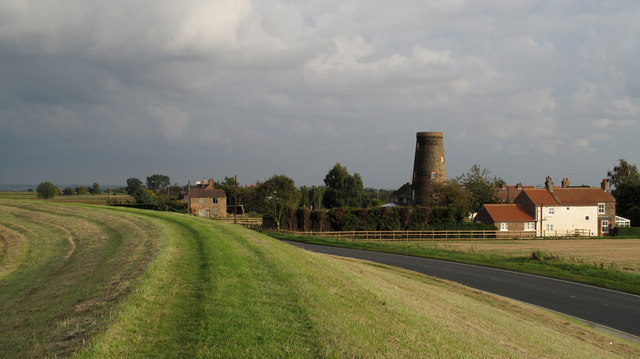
x=99 y=199
x=623 y=254
x=105 y=282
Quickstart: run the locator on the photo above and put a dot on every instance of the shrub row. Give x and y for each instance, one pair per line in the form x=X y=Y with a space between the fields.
x=172 y=206
x=370 y=219
x=627 y=231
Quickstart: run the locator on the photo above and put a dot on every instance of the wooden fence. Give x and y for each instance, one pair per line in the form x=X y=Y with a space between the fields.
x=436 y=235
x=243 y=220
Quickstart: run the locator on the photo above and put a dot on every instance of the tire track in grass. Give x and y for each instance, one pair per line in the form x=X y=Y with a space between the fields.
x=255 y=308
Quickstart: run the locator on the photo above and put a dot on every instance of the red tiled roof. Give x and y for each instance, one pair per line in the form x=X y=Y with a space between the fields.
x=541 y=196
x=582 y=196
x=508 y=213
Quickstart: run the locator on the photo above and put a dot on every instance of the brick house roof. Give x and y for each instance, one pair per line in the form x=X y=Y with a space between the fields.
x=507 y=194
x=582 y=196
x=403 y=192
x=578 y=196
x=208 y=193
x=508 y=213
x=540 y=196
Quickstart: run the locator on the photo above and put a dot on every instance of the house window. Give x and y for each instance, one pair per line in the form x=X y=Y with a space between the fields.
x=604 y=226
x=215 y=200
x=504 y=226
x=200 y=200
x=552 y=211
x=434 y=174
x=549 y=227
x=529 y=226
x=586 y=218
x=601 y=208
x=441 y=159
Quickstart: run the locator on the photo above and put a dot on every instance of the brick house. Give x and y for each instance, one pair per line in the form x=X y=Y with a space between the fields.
x=565 y=210
x=402 y=197
x=206 y=201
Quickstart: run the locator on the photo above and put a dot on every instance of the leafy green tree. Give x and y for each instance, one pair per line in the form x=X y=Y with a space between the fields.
x=68 y=191
x=141 y=195
x=229 y=187
x=46 y=190
x=623 y=172
x=451 y=203
x=155 y=182
x=311 y=197
x=95 y=188
x=343 y=189
x=481 y=185
x=627 y=195
x=132 y=185
x=275 y=195
x=82 y=190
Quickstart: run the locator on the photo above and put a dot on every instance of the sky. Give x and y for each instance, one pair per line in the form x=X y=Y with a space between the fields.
x=101 y=91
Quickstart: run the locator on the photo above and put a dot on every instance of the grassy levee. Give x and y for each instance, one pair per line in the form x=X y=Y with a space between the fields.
x=215 y=290
x=538 y=263
x=63 y=270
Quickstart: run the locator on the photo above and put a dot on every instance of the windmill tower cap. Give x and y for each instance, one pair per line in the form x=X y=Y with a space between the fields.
x=429 y=134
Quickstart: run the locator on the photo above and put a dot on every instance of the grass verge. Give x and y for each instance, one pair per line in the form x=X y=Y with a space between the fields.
x=539 y=263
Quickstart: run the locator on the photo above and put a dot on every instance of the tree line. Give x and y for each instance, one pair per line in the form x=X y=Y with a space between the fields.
x=448 y=203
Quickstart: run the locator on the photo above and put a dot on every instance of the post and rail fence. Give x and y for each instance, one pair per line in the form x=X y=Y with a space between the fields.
x=412 y=235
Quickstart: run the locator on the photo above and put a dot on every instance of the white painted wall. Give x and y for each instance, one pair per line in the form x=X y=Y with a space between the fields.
x=567 y=219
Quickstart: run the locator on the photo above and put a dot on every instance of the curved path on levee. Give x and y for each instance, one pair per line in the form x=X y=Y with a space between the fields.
x=612 y=309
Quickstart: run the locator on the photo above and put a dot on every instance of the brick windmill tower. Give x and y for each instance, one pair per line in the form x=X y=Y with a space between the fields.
x=428 y=166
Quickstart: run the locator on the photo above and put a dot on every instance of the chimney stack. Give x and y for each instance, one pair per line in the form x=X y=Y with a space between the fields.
x=604 y=185
x=565 y=183
x=548 y=184
x=519 y=185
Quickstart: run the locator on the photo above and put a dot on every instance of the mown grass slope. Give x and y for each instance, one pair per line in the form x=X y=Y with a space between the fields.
x=218 y=290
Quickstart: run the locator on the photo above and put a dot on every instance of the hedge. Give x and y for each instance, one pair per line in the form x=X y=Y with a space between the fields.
x=371 y=219
x=627 y=231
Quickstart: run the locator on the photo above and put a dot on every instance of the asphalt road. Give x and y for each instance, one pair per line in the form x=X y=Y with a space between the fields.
x=603 y=307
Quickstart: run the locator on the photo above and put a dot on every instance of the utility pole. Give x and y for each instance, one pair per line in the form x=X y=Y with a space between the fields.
x=235 y=200
x=189 y=196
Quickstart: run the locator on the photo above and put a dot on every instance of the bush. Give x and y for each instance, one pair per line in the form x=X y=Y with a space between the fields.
x=46 y=190
x=627 y=231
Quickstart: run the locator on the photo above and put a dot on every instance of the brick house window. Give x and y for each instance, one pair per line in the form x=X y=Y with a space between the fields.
x=215 y=200
x=504 y=226
x=601 y=208
x=604 y=226
x=552 y=211
x=529 y=226
x=434 y=174
x=200 y=200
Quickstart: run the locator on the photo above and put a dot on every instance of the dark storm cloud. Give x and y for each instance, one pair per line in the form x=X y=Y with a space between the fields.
x=215 y=88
